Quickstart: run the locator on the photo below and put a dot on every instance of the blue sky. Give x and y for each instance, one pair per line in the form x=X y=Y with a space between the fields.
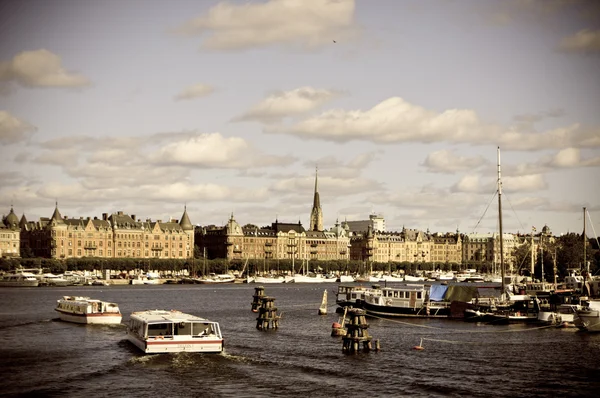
x=229 y=107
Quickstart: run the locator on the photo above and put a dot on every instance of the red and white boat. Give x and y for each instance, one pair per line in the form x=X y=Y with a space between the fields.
x=79 y=309
x=162 y=331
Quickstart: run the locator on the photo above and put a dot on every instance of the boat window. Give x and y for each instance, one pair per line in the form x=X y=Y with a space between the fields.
x=419 y=295
x=183 y=328
x=203 y=329
x=159 y=329
x=396 y=294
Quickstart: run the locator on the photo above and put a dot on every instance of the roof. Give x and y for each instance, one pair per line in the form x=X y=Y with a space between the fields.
x=162 y=316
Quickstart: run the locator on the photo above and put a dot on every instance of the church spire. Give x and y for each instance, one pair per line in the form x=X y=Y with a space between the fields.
x=316 y=215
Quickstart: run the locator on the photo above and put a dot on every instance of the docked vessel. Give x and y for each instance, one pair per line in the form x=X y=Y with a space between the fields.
x=19 y=279
x=162 y=331
x=588 y=316
x=217 y=278
x=79 y=309
x=410 y=300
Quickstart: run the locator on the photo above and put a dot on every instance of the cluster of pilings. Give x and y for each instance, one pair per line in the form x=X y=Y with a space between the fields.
x=267 y=314
x=357 y=333
x=259 y=293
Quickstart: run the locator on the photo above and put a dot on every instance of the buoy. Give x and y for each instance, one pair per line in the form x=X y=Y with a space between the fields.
x=420 y=346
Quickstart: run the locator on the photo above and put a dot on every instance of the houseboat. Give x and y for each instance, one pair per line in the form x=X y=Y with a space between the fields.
x=89 y=311
x=162 y=331
x=410 y=300
x=349 y=296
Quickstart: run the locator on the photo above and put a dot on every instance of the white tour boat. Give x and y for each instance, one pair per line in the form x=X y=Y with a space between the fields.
x=86 y=310
x=588 y=316
x=162 y=331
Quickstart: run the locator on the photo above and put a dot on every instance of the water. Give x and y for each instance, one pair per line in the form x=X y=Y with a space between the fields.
x=43 y=356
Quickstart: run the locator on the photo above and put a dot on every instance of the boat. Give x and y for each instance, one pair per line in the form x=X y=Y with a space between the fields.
x=409 y=300
x=269 y=279
x=345 y=279
x=587 y=317
x=19 y=279
x=49 y=279
x=350 y=296
x=79 y=309
x=164 y=331
x=323 y=307
x=217 y=278
x=518 y=309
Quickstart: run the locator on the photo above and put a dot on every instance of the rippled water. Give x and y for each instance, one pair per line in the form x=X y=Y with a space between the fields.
x=43 y=356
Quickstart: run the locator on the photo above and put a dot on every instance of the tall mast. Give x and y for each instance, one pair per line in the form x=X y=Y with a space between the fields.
x=500 y=224
x=585 y=264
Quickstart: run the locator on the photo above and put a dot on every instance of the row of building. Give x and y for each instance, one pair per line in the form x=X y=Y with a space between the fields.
x=119 y=235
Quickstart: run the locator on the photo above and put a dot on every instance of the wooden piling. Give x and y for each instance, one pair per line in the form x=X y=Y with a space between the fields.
x=259 y=292
x=267 y=314
x=357 y=333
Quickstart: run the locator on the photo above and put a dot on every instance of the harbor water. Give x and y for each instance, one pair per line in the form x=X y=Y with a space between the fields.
x=43 y=356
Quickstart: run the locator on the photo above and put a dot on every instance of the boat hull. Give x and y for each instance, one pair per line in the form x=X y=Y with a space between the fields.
x=90 y=319
x=162 y=345
x=405 y=312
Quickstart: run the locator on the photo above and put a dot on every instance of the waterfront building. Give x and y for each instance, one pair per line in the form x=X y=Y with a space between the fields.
x=10 y=235
x=409 y=245
x=117 y=235
x=279 y=241
x=484 y=248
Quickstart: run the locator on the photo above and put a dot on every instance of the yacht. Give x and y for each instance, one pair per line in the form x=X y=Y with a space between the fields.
x=588 y=316
x=19 y=279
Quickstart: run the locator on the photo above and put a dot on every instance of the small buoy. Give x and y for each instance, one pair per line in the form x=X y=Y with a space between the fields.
x=420 y=346
x=336 y=325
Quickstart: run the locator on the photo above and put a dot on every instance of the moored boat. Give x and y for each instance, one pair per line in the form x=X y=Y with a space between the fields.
x=217 y=278
x=19 y=279
x=162 y=331
x=80 y=309
x=588 y=316
x=410 y=300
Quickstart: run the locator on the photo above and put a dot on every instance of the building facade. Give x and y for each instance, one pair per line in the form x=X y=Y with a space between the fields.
x=117 y=235
x=10 y=235
x=279 y=241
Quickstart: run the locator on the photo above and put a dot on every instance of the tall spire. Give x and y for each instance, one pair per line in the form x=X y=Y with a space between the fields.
x=185 y=221
x=316 y=215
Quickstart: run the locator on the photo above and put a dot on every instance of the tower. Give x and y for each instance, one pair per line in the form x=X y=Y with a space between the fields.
x=316 y=215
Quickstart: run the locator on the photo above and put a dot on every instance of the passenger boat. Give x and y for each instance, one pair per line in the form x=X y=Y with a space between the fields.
x=162 y=331
x=410 y=300
x=80 y=309
x=588 y=316
x=19 y=279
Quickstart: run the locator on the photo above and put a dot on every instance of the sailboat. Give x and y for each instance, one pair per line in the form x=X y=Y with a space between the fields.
x=587 y=316
x=513 y=309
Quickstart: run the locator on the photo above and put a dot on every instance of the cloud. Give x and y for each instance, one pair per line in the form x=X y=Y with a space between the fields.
x=329 y=186
x=13 y=130
x=195 y=91
x=585 y=41
x=397 y=120
x=39 y=68
x=215 y=151
x=304 y=23
x=446 y=161
x=520 y=183
x=568 y=158
x=282 y=104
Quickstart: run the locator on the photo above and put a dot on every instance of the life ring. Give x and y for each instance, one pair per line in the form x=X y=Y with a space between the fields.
x=160 y=337
x=388 y=302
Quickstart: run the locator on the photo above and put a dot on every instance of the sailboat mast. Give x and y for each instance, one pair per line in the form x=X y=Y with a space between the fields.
x=585 y=264
x=500 y=223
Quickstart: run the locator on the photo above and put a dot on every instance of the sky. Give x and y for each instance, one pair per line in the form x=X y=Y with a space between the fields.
x=231 y=107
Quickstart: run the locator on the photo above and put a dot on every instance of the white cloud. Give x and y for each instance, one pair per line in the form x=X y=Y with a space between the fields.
x=584 y=41
x=469 y=183
x=282 y=104
x=195 y=91
x=305 y=23
x=568 y=158
x=446 y=161
x=397 y=120
x=215 y=151
x=39 y=68
x=13 y=130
